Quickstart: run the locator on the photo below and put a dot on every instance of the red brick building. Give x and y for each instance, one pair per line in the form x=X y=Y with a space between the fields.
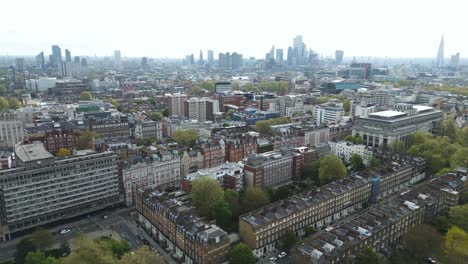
x=56 y=139
x=213 y=154
x=240 y=147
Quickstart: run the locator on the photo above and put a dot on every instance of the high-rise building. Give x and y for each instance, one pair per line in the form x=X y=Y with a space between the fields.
x=56 y=56
x=19 y=64
x=299 y=49
x=339 y=56
x=236 y=60
x=144 y=63
x=200 y=58
x=455 y=60
x=290 y=57
x=117 y=58
x=272 y=53
x=67 y=56
x=175 y=103
x=84 y=62
x=76 y=59
x=210 y=57
x=440 y=54
x=279 y=55
x=201 y=109
x=40 y=61
x=330 y=112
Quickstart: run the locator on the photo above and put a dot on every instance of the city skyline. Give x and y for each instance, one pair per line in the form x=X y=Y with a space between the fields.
x=161 y=30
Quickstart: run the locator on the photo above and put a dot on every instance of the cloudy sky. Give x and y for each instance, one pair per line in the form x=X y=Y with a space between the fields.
x=174 y=28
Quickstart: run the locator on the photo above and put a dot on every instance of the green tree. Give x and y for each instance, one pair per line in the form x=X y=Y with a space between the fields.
x=86 y=96
x=311 y=170
x=36 y=257
x=448 y=128
x=231 y=197
x=229 y=114
x=463 y=137
x=346 y=105
x=309 y=230
x=206 y=194
x=156 y=116
x=221 y=213
x=4 y=105
x=208 y=85
x=22 y=249
x=13 y=103
x=322 y=100
x=196 y=90
x=456 y=242
x=114 y=102
x=331 y=169
x=264 y=126
x=142 y=256
x=63 y=152
x=235 y=86
x=460 y=157
x=374 y=162
x=241 y=254
x=367 y=256
x=253 y=198
x=41 y=239
x=89 y=252
x=3 y=89
x=441 y=223
x=458 y=215
x=165 y=112
x=85 y=140
x=289 y=240
x=423 y=241
x=397 y=146
x=187 y=137
x=356 y=162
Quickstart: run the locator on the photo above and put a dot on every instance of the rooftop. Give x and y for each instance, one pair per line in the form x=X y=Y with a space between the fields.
x=388 y=113
x=32 y=152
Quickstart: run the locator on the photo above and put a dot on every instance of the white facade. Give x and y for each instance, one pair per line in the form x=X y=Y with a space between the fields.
x=177 y=103
x=331 y=112
x=148 y=130
x=11 y=129
x=316 y=137
x=363 y=110
x=290 y=105
x=345 y=150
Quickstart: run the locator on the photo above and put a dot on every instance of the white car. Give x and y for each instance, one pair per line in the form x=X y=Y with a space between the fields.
x=273 y=259
x=282 y=255
x=64 y=231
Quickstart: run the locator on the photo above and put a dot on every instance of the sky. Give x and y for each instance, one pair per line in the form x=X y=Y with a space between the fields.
x=175 y=28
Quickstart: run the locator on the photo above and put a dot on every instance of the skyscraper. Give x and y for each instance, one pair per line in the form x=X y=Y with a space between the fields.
x=56 y=56
x=210 y=57
x=200 y=58
x=272 y=53
x=40 y=61
x=454 y=60
x=299 y=50
x=144 y=63
x=339 y=56
x=279 y=55
x=117 y=57
x=440 y=54
x=67 y=56
x=19 y=64
x=290 y=56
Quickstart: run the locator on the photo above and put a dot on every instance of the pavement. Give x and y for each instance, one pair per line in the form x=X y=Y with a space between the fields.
x=119 y=224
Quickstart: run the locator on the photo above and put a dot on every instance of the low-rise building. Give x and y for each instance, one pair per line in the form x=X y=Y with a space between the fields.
x=229 y=175
x=191 y=161
x=213 y=154
x=238 y=148
x=148 y=130
x=330 y=112
x=345 y=150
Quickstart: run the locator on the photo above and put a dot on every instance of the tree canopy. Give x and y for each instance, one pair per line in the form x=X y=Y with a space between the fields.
x=156 y=116
x=3 y=89
x=86 y=96
x=367 y=256
x=4 y=104
x=114 y=102
x=356 y=139
x=187 y=137
x=289 y=240
x=13 y=103
x=63 y=152
x=85 y=140
x=458 y=215
x=331 y=169
x=264 y=126
x=241 y=254
x=254 y=198
x=356 y=162
x=206 y=194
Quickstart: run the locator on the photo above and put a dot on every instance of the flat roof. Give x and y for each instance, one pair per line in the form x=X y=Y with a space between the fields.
x=420 y=108
x=388 y=113
x=32 y=152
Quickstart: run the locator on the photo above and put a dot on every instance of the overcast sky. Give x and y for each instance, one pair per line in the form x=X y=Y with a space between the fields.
x=174 y=28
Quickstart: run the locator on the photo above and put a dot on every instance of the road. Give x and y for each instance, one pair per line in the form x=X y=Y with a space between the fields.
x=102 y=223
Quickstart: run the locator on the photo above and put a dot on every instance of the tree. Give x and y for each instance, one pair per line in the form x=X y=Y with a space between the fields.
x=264 y=127
x=86 y=96
x=85 y=140
x=156 y=116
x=441 y=223
x=462 y=137
x=235 y=86
x=253 y=198
x=22 y=249
x=114 y=102
x=206 y=194
x=241 y=254
x=187 y=137
x=14 y=103
x=142 y=256
x=448 y=128
x=41 y=239
x=423 y=241
x=4 y=105
x=459 y=158
x=208 y=85
x=231 y=197
x=456 y=241
x=311 y=170
x=36 y=257
x=3 y=89
x=63 y=152
x=289 y=240
x=196 y=90
x=221 y=213
x=331 y=169
x=356 y=162
x=458 y=215
x=397 y=146
x=165 y=112
x=367 y=256
x=346 y=105
x=229 y=114
x=374 y=162
x=356 y=139
x=309 y=230
x=89 y=252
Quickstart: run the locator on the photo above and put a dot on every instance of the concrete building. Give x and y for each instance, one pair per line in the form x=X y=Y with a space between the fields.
x=163 y=170
x=291 y=105
x=316 y=136
x=388 y=126
x=263 y=228
x=109 y=127
x=148 y=130
x=360 y=71
x=331 y=112
x=362 y=110
x=11 y=129
x=43 y=189
x=345 y=150
x=175 y=103
x=173 y=223
x=269 y=169
x=222 y=87
x=201 y=109
x=377 y=98
x=230 y=176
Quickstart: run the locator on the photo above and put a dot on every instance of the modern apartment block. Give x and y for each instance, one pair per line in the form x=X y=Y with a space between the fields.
x=388 y=126
x=263 y=228
x=11 y=129
x=201 y=109
x=175 y=103
x=382 y=224
x=43 y=189
x=109 y=128
x=174 y=224
x=163 y=170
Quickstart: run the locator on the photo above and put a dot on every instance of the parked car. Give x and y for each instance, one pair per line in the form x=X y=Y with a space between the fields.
x=64 y=231
x=282 y=255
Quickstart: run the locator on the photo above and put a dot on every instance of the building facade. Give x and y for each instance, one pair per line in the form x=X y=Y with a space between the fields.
x=11 y=129
x=269 y=169
x=191 y=161
x=148 y=130
x=331 y=112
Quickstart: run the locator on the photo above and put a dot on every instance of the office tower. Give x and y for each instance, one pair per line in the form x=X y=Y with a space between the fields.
x=200 y=58
x=210 y=57
x=19 y=64
x=339 y=56
x=76 y=59
x=299 y=50
x=440 y=54
x=67 y=56
x=117 y=58
x=236 y=60
x=84 y=62
x=201 y=109
x=56 y=55
x=272 y=53
x=40 y=62
x=66 y=187
x=144 y=63
x=455 y=60
x=290 y=56
x=330 y=112
x=279 y=55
